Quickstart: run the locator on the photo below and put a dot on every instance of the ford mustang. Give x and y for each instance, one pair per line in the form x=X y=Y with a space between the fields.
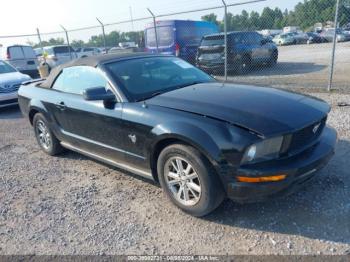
x=159 y=117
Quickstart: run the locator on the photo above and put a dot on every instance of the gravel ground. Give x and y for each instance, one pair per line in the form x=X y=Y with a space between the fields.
x=73 y=205
x=303 y=66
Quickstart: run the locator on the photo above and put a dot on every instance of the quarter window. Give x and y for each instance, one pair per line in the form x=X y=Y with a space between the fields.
x=79 y=78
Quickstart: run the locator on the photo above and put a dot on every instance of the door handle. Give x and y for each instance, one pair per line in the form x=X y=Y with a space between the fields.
x=61 y=106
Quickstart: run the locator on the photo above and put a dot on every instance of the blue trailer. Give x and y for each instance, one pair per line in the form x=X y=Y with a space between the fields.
x=178 y=37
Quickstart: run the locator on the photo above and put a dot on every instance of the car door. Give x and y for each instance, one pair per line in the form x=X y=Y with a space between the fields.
x=264 y=47
x=89 y=125
x=249 y=43
x=31 y=61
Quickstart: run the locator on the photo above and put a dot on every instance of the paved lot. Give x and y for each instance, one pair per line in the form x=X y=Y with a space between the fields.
x=303 y=66
x=73 y=205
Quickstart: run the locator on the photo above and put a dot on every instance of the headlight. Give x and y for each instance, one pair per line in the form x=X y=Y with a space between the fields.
x=264 y=150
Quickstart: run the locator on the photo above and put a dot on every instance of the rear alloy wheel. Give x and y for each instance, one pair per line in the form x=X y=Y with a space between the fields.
x=189 y=180
x=46 y=139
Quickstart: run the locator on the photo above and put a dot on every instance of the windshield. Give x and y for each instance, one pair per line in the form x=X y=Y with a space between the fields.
x=285 y=36
x=6 y=68
x=143 y=78
x=213 y=40
x=62 y=49
x=165 y=36
x=192 y=34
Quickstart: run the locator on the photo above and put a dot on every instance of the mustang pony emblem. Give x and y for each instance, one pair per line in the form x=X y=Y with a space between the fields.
x=132 y=138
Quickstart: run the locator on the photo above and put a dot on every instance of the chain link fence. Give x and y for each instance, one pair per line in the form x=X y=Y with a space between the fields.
x=280 y=48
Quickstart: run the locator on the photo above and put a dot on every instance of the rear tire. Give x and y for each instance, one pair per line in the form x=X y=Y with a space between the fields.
x=189 y=180
x=44 y=136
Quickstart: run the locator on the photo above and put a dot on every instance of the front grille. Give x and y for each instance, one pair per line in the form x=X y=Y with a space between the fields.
x=9 y=88
x=306 y=136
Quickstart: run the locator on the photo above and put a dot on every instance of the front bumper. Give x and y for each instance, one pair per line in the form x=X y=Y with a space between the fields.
x=299 y=169
x=8 y=99
x=217 y=66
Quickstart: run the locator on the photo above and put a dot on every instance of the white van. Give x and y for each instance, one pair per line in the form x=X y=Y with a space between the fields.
x=87 y=51
x=59 y=54
x=22 y=57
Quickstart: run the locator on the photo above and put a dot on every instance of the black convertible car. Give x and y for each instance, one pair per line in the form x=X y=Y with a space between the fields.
x=162 y=118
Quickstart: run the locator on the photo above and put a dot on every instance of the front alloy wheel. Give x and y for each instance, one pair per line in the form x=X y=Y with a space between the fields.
x=189 y=179
x=183 y=181
x=244 y=65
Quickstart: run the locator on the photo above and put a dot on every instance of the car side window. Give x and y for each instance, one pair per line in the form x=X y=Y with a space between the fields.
x=76 y=79
x=252 y=39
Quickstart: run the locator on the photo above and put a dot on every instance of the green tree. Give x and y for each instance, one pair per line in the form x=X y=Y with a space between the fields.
x=211 y=18
x=255 y=20
x=305 y=15
x=77 y=43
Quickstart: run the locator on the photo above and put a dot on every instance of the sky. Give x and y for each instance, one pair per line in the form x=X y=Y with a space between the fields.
x=47 y=15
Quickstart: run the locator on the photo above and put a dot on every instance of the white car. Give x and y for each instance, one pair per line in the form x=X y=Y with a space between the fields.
x=10 y=81
x=87 y=51
x=284 y=39
x=59 y=54
x=22 y=57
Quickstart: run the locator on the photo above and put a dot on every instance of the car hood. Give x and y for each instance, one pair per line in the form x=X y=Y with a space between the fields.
x=266 y=111
x=13 y=78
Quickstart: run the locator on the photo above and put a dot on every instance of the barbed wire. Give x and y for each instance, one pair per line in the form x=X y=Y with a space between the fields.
x=133 y=20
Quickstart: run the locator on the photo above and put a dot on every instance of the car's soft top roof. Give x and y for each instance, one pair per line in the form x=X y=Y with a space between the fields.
x=92 y=61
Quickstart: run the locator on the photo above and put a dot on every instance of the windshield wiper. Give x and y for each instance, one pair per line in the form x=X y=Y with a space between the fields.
x=150 y=96
x=188 y=84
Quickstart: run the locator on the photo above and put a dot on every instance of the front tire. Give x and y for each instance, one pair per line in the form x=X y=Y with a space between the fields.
x=244 y=65
x=273 y=59
x=189 y=180
x=44 y=136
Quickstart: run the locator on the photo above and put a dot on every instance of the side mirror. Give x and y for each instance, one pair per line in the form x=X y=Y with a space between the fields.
x=98 y=93
x=264 y=41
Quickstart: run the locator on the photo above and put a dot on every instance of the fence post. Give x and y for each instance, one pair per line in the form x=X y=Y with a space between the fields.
x=155 y=27
x=331 y=72
x=40 y=43
x=67 y=38
x=132 y=20
x=225 y=36
x=104 y=34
